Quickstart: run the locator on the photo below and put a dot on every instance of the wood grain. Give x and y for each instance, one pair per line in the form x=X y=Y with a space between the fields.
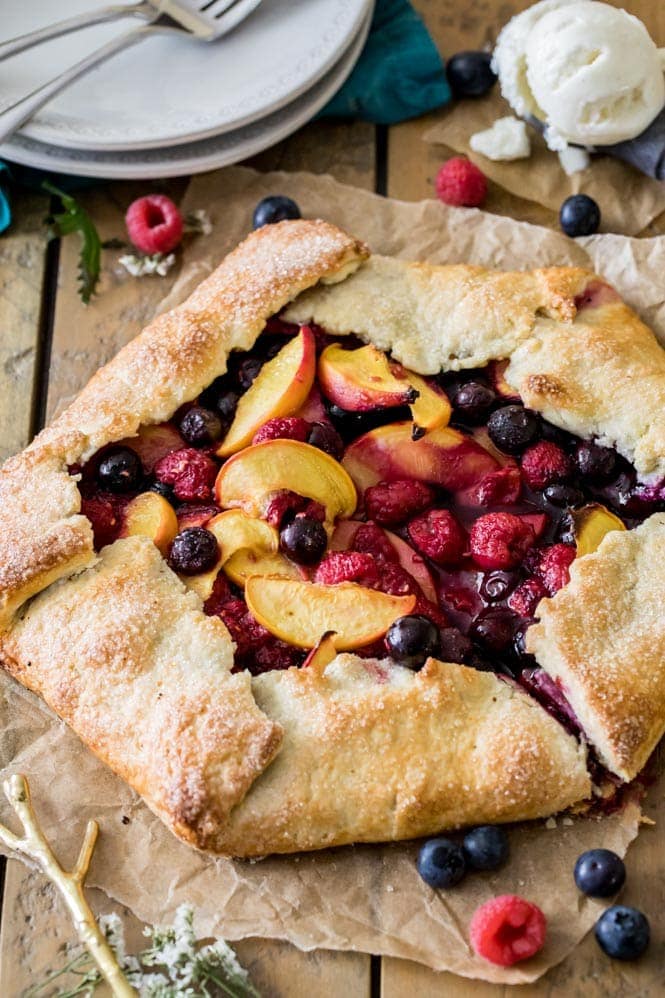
x=22 y=261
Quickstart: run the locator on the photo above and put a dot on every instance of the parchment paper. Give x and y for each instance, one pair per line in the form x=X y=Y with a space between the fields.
x=368 y=898
x=628 y=199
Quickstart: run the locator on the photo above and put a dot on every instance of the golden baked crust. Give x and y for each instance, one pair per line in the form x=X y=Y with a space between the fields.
x=597 y=371
x=369 y=752
x=170 y=362
x=373 y=751
x=125 y=656
x=603 y=638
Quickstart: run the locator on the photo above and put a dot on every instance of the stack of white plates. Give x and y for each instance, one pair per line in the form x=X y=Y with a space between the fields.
x=172 y=105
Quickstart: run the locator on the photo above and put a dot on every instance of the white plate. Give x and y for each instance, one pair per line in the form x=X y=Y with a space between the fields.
x=173 y=89
x=195 y=157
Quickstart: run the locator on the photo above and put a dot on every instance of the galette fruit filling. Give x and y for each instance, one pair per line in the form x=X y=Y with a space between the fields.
x=320 y=497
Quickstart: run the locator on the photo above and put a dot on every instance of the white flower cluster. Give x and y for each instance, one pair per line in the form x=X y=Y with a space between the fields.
x=147 y=266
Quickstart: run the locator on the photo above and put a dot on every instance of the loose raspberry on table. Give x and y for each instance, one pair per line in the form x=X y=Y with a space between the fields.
x=389 y=503
x=526 y=597
x=154 y=224
x=553 y=566
x=460 y=182
x=500 y=487
x=372 y=540
x=283 y=428
x=544 y=464
x=507 y=929
x=438 y=535
x=500 y=540
x=347 y=566
x=190 y=473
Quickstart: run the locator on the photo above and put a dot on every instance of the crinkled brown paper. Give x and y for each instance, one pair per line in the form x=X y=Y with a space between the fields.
x=628 y=199
x=366 y=898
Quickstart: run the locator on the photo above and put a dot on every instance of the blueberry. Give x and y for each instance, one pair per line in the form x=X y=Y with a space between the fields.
x=226 y=405
x=599 y=873
x=494 y=628
x=473 y=401
x=594 y=462
x=512 y=428
x=497 y=585
x=412 y=639
x=200 y=426
x=454 y=646
x=120 y=470
x=248 y=370
x=441 y=863
x=275 y=208
x=563 y=496
x=326 y=438
x=193 y=550
x=486 y=847
x=304 y=540
x=622 y=932
x=470 y=74
x=164 y=490
x=579 y=215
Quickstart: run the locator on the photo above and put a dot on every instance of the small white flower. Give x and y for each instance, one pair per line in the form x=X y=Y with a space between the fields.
x=147 y=266
x=198 y=221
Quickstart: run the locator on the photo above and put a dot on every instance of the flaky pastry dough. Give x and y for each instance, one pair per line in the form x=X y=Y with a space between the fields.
x=358 y=751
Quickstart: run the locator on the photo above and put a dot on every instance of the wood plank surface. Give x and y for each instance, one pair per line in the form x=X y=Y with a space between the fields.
x=22 y=262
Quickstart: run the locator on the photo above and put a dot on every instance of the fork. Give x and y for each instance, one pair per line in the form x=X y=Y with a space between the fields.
x=206 y=20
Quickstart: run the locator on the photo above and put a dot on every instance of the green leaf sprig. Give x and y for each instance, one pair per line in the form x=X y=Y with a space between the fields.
x=74 y=218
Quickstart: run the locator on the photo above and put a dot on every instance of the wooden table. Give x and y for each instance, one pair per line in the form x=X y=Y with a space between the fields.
x=49 y=346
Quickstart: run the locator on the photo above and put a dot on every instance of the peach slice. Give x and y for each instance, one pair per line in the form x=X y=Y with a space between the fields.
x=361 y=379
x=323 y=654
x=443 y=457
x=300 y=613
x=496 y=372
x=150 y=515
x=432 y=408
x=280 y=389
x=248 y=562
x=250 y=479
x=592 y=523
x=236 y=534
x=410 y=560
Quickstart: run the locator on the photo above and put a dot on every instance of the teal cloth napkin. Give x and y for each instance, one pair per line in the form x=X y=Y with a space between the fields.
x=399 y=75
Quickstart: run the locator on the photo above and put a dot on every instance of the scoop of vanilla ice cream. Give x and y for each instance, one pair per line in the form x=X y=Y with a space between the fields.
x=590 y=72
x=595 y=72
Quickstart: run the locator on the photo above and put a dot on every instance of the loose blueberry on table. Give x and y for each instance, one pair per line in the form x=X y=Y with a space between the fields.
x=407 y=516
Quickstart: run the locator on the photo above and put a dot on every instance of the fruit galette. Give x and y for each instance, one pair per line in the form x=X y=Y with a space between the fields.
x=350 y=549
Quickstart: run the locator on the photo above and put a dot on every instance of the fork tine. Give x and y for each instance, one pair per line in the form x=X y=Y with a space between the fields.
x=228 y=13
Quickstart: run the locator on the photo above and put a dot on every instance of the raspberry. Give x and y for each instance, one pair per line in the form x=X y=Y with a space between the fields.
x=396 y=581
x=460 y=182
x=500 y=487
x=191 y=473
x=370 y=539
x=526 y=597
x=220 y=595
x=274 y=654
x=507 y=929
x=104 y=519
x=347 y=566
x=439 y=536
x=245 y=630
x=286 y=505
x=394 y=502
x=500 y=540
x=427 y=609
x=553 y=564
x=545 y=463
x=154 y=224
x=286 y=428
